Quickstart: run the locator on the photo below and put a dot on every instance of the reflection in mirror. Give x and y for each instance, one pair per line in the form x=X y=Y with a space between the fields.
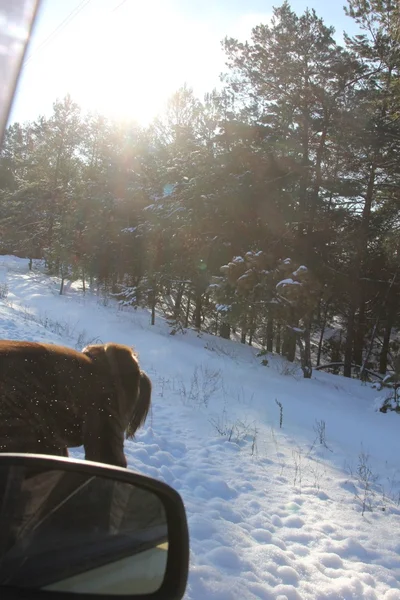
x=79 y=533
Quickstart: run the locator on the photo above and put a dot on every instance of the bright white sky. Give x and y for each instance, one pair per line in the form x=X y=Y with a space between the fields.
x=125 y=58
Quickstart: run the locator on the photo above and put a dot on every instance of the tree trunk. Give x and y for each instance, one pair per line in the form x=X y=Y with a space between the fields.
x=319 y=310
x=53 y=211
x=335 y=356
x=225 y=331
x=303 y=185
x=383 y=357
x=387 y=331
x=188 y=309
x=243 y=336
x=270 y=334
x=321 y=337
x=153 y=297
x=359 y=334
x=307 y=368
x=289 y=344
x=318 y=175
x=216 y=323
x=251 y=337
x=356 y=298
x=278 y=339
x=30 y=264
x=348 y=350
x=83 y=281
x=138 y=291
x=197 y=312
x=62 y=284
x=114 y=283
x=178 y=300
x=305 y=352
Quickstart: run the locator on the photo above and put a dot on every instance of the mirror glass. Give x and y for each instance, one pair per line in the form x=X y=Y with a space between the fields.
x=73 y=532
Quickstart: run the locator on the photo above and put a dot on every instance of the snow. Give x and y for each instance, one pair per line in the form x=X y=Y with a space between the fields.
x=273 y=513
x=222 y=307
x=332 y=333
x=297 y=330
x=288 y=281
x=301 y=269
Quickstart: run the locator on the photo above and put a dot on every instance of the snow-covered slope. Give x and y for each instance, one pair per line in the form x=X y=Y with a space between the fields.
x=306 y=510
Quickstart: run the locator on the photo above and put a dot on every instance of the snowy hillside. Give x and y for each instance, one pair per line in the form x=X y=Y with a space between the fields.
x=306 y=508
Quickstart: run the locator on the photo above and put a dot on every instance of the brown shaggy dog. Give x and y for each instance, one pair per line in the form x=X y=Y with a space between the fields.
x=53 y=398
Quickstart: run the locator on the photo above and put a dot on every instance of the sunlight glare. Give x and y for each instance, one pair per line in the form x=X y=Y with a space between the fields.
x=138 y=58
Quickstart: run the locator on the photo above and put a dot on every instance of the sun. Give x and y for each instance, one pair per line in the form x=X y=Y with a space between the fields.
x=137 y=59
x=123 y=69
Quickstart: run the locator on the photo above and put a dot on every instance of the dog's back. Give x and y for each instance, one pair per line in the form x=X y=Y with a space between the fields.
x=38 y=385
x=53 y=398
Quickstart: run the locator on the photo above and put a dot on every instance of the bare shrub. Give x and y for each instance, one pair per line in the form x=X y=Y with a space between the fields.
x=280 y=413
x=242 y=396
x=320 y=431
x=235 y=431
x=204 y=383
x=220 y=350
x=163 y=384
x=83 y=339
x=316 y=472
x=366 y=480
x=365 y=488
x=297 y=456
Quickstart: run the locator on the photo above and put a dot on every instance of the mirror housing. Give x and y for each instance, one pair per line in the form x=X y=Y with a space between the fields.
x=56 y=473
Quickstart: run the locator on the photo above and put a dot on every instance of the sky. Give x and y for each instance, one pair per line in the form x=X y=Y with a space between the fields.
x=124 y=58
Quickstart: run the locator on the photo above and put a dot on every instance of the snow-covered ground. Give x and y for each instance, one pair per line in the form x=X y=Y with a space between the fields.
x=306 y=510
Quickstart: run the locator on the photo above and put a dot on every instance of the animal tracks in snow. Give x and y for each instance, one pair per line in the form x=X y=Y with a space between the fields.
x=248 y=540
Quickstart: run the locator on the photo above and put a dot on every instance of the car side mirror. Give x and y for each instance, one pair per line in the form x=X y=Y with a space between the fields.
x=74 y=527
